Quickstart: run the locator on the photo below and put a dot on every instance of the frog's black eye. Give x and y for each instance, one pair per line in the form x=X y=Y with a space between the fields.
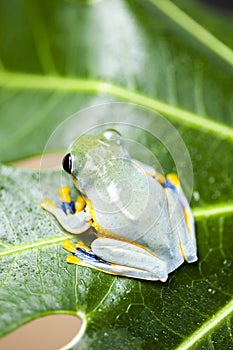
x=67 y=163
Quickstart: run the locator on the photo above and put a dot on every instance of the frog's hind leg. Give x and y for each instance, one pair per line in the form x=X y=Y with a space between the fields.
x=118 y=258
x=180 y=213
x=181 y=217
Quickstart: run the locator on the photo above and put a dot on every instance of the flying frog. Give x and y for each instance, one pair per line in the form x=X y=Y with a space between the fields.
x=142 y=220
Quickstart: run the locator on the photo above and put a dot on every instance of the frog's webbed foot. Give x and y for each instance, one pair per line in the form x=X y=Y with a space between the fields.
x=72 y=216
x=118 y=258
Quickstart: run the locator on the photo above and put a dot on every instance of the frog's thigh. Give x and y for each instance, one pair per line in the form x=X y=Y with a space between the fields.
x=129 y=259
x=77 y=223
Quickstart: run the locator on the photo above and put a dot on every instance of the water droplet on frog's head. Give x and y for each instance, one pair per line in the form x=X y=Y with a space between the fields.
x=112 y=135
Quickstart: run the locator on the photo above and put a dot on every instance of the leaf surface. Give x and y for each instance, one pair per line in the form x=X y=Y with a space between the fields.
x=60 y=57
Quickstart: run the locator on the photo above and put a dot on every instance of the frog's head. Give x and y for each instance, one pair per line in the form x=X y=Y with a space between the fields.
x=91 y=155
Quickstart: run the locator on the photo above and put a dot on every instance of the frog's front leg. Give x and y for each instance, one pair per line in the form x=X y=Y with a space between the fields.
x=73 y=217
x=118 y=258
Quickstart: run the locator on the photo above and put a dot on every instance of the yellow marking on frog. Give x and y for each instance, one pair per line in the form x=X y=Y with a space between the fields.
x=93 y=221
x=64 y=194
x=80 y=204
x=160 y=178
x=47 y=203
x=73 y=260
x=101 y=232
x=187 y=220
x=173 y=178
x=82 y=245
x=150 y=174
x=67 y=245
x=140 y=246
x=182 y=250
x=167 y=205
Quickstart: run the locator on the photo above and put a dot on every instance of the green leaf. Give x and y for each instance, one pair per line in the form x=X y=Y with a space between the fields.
x=60 y=57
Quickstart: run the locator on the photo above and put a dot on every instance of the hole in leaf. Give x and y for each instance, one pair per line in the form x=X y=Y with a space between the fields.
x=48 y=333
x=47 y=161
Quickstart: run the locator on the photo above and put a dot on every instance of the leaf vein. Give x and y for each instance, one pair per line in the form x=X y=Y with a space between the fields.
x=39 y=32
x=164 y=324
x=8 y=272
x=207 y=327
x=104 y=297
x=196 y=30
x=39 y=82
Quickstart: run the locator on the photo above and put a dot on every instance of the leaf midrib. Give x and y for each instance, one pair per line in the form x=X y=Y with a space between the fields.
x=32 y=245
x=22 y=81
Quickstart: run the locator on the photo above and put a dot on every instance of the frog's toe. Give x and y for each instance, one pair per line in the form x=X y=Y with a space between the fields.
x=80 y=204
x=67 y=245
x=64 y=194
x=71 y=259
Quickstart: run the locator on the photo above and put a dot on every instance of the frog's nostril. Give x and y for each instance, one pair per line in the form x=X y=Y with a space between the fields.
x=67 y=163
